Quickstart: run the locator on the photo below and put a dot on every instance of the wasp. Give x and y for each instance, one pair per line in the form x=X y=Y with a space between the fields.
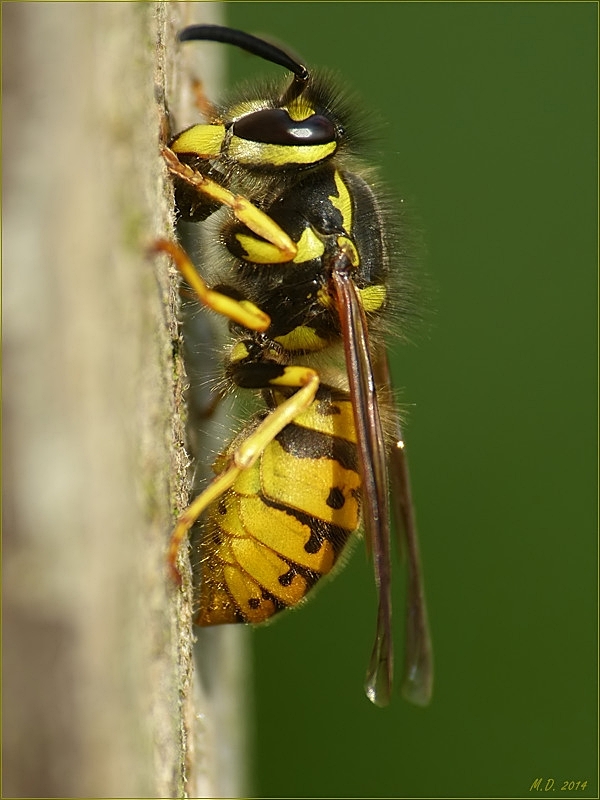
x=301 y=267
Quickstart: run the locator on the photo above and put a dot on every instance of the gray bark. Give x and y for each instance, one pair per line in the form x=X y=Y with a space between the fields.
x=98 y=671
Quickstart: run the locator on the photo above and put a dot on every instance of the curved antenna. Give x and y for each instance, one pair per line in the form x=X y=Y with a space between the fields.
x=255 y=46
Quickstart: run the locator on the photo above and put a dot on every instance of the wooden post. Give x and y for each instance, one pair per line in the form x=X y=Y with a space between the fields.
x=98 y=668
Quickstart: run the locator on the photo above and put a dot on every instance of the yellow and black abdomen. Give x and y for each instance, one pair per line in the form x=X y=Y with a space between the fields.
x=285 y=521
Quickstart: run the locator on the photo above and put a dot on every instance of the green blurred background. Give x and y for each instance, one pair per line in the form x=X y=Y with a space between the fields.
x=491 y=135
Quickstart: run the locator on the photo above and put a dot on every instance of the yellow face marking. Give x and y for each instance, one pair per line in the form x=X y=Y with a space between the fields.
x=311 y=486
x=299 y=109
x=203 y=140
x=373 y=297
x=277 y=155
x=342 y=202
x=301 y=338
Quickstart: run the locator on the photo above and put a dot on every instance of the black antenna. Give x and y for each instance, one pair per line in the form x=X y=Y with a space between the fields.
x=252 y=44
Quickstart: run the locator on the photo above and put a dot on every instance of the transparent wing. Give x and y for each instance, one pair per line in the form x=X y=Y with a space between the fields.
x=417 y=681
x=373 y=472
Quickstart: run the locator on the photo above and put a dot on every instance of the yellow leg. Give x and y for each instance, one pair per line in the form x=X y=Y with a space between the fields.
x=248 y=452
x=259 y=223
x=244 y=313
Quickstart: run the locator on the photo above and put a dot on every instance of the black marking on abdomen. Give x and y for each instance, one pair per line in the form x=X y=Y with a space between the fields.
x=308 y=443
x=319 y=532
x=287 y=577
x=336 y=498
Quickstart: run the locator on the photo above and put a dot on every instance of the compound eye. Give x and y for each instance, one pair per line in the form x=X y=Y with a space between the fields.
x=275 y=126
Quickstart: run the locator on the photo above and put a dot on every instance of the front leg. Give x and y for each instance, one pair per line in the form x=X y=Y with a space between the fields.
x=281 y=250
x=243 y=312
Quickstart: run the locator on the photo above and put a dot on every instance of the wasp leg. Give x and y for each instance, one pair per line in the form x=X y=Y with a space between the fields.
x=282 y=248
x=242 y=312
x=246 y=455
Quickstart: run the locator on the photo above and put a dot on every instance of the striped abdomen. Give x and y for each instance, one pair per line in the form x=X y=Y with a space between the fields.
x=285 y=521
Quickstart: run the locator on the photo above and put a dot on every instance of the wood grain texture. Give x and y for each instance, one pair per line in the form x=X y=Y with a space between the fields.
x=98 y=693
